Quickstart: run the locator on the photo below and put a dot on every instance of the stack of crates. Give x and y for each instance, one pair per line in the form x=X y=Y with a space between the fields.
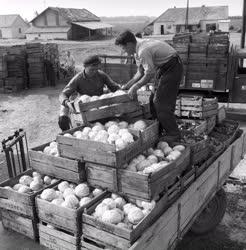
x=205 y=59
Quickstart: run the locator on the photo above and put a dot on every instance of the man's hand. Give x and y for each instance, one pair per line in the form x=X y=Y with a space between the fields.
x=70 y=106
x=132 y=92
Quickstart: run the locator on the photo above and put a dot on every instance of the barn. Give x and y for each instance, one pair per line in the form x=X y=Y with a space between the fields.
x=67 y=23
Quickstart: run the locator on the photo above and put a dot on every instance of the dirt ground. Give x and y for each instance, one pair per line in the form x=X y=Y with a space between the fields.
x=36 y=111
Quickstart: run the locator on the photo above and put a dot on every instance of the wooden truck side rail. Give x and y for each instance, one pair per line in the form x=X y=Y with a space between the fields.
x=177 y=220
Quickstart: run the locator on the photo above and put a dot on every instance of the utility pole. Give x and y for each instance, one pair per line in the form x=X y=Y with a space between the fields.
x=44 y=4
x=187 y=16
x=243 y=25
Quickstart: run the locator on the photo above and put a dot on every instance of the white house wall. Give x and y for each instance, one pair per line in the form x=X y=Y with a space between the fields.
x=224 y=26
x=168 y=28
x=6 y=32
x=46 y=36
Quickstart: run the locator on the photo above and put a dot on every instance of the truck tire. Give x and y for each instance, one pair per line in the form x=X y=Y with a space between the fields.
x=212 y=215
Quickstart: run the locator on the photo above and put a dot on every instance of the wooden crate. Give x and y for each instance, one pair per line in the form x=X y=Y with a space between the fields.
x=116 y=237
x=227 y=139
x=61 y=217
x=54 y=238
x=18 y=223
x=199 y=151
x=137 y=185
x=198 y=107
x=59 y=167
x=198 y=126
x=99 y=235
x=21 y=203
x=108 y=107
x=97 y=152
x=149 y=135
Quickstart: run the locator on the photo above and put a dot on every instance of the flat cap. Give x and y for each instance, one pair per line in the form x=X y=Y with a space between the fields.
x=91 y=60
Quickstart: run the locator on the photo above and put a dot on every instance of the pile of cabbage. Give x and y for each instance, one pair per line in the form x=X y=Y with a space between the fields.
x=117 y=133
x=30 y=184
x=155 y=159
x=86 y=98
x=51 y=149
x=116 y=210
x=70 y=195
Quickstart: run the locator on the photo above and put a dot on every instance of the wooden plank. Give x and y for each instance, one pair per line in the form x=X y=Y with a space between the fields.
x=111 y=111
x=75 y=153
x=27 y=210
x=49 y=244
x=60 y=173
x=19 y=224
x=53 y=160
x=56 y=239
x=57 y=234
x=101 y=176
x=108 y=238
x=90 y=246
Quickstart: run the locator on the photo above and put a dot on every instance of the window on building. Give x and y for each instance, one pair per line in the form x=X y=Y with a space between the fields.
x=19 y=30
x=169 y=26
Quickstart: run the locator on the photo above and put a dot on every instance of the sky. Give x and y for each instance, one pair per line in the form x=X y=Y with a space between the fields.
x=27 y=8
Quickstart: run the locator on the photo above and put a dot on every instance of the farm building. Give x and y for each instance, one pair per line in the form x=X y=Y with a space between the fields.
x=12 y=26
x=199 y=18
x=63 y=23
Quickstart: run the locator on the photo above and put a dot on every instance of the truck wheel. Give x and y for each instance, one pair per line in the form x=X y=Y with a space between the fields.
x=212 y=215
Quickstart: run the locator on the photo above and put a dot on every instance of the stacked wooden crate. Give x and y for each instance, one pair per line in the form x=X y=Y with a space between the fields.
x=18 y=207
x=104 y=167
x=16 y=67
x=3 y=67
x=35 y=59
x=59 y=227
x=202 y=112
x=205 y=60
x=51 y=53
x=198 y=107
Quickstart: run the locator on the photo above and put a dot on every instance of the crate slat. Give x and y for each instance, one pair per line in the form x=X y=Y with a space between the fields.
x=56 y=239
x=20 y=224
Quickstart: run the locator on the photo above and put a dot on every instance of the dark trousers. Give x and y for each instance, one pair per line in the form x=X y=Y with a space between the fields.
x=163 y=101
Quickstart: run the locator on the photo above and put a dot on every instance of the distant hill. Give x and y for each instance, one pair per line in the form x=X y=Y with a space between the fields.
x=134 y=23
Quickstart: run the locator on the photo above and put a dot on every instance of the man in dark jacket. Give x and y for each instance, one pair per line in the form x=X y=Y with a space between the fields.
x=90 y=81
x=157 y=58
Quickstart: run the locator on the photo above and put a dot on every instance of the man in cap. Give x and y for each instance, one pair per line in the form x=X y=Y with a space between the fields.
x=90 y=81
x=160 y=59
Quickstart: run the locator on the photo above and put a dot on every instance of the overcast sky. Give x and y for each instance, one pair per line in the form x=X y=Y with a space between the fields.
x=27 y=8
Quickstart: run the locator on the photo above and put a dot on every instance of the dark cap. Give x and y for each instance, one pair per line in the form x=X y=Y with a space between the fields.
x=91 y=60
